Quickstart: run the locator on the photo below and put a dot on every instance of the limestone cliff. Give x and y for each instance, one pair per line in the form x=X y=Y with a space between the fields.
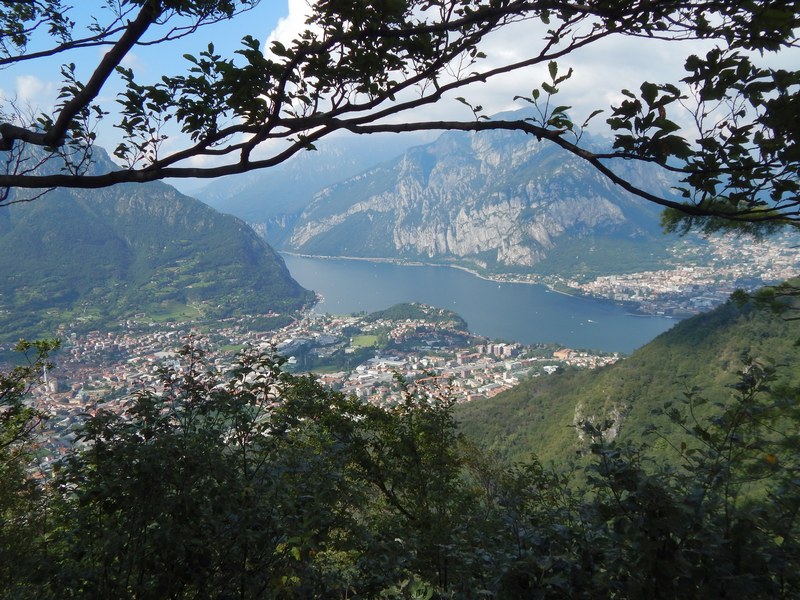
x=496 y=200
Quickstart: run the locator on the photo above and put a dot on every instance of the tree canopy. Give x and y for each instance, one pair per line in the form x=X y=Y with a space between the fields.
x=259 y=484
x=727 y=130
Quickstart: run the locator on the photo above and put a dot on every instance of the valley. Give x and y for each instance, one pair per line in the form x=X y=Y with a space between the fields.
x=448 y=300
x=506 y=207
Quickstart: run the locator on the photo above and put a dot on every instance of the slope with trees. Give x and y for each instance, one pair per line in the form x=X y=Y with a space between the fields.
x=259 y=484
x=88 y=259
x=542 y=416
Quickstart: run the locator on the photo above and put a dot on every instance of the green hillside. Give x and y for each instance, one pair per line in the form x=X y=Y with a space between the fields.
x=704 y=353
x=88 y=258
x=416 y=310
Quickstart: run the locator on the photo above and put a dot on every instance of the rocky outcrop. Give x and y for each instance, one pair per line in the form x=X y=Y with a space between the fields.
x=500 y=198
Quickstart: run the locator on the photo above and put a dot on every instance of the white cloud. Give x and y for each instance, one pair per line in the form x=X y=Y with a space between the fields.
x=600 y=71
x=34 y=91
x=132 y=61
x=290 y=26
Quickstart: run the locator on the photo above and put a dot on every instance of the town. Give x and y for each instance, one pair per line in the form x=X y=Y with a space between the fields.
x=364 y=355
x=361 y=355
x=698 y=277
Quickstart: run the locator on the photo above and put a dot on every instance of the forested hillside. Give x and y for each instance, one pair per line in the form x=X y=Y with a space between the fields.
x=90 y=258
x=258 y=484
x=542 y=416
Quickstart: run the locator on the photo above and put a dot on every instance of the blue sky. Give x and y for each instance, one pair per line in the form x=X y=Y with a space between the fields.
x=37 y=81
x=258 y=22
x=35 y=84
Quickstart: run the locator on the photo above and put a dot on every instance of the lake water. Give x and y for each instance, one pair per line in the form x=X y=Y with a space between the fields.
x=510 y=311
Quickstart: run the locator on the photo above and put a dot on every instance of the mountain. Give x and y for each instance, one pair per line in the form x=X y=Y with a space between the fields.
x=703 y=353
x=87 y=257
x=272 y=199
x=494 y=201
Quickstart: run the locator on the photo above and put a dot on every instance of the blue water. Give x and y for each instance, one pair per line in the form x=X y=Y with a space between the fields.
x=509 y=311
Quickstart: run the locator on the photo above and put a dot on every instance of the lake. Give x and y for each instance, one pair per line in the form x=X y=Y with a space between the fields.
x=517 y=312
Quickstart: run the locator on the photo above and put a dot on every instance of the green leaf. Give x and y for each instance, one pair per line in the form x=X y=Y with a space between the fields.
x=553 y=68
x=593 y=114
x=649 y=92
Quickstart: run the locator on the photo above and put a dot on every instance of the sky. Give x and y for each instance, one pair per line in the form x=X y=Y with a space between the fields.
x=599 y=72
x=35 y=84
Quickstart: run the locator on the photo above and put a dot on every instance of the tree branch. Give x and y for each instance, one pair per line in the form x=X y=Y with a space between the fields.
x=147 y=15
x=351 y=76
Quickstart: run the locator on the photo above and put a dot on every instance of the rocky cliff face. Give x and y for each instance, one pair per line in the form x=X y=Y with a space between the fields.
x=495 y=200
x=271 y=200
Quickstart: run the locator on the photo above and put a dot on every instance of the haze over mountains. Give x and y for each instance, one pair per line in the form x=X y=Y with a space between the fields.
x=271 y=200
x=493 y=201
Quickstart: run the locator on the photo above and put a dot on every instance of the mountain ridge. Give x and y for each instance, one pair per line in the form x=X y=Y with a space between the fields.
x=271 y=200
x=86 y=257
x=496 y=201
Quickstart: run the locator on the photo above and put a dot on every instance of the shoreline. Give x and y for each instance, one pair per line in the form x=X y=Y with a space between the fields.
x=407 y=263
x=416 y=263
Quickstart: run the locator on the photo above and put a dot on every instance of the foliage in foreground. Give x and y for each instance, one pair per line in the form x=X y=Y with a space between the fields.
x=260 y=484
